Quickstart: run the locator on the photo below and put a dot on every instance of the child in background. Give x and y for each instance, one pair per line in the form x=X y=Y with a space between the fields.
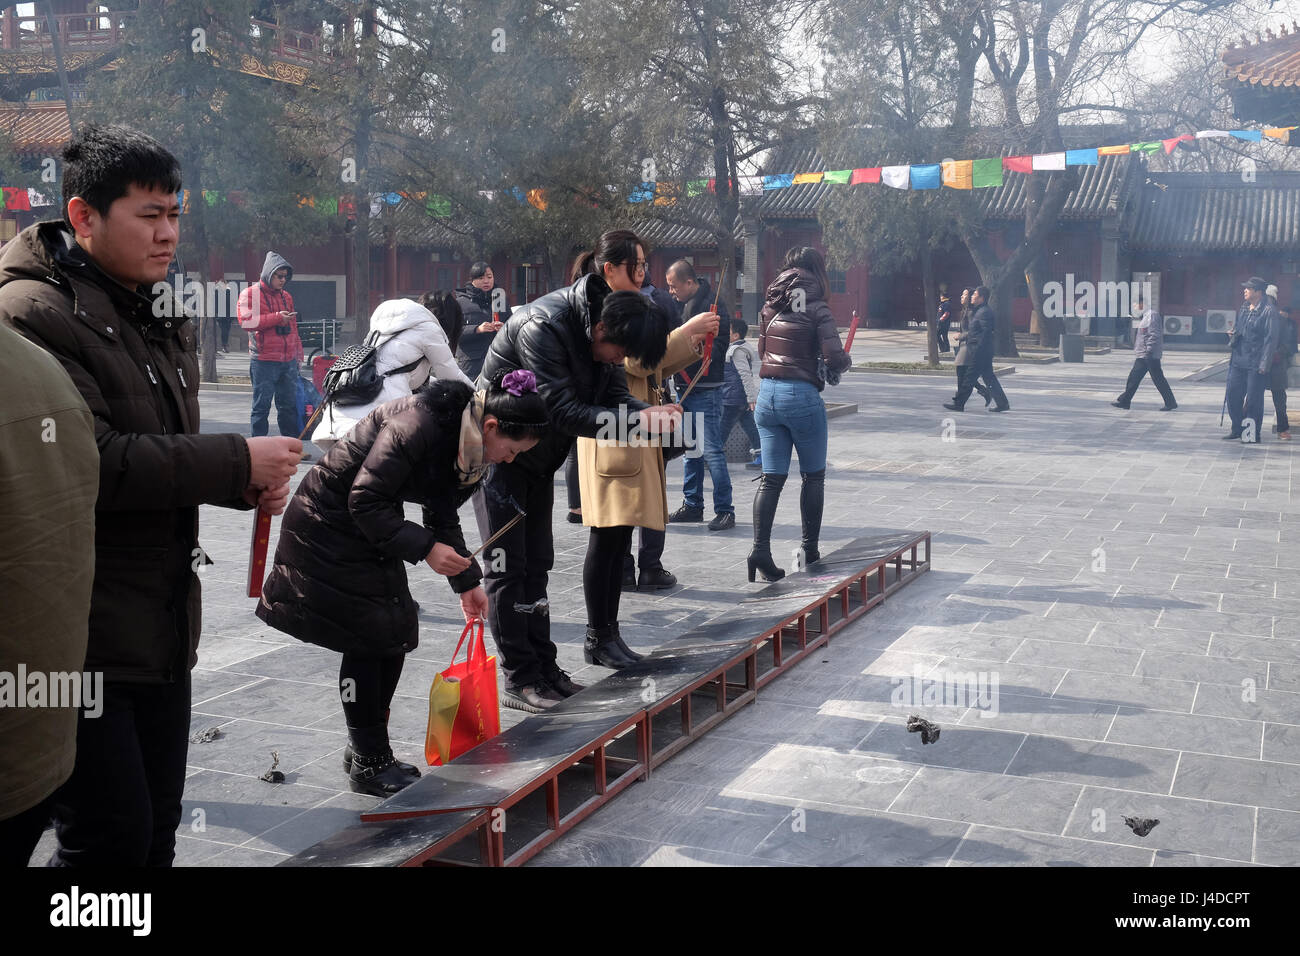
x=740 y=390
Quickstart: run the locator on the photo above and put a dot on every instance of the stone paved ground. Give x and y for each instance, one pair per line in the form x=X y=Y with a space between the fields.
x=1124 y=576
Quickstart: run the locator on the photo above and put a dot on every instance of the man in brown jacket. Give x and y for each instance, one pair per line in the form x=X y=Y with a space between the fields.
x=49 y=476
x=86 y=289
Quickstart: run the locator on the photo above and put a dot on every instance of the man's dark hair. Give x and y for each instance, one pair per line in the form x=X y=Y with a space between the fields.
x=983 y=290
x=637 y=325
x=478 y=270
x=102 y=163
x=446 y=309
x=740 y=327
x=683 y=270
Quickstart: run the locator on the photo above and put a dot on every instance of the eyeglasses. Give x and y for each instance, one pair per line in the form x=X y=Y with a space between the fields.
x=640 y=265
x=279 y=275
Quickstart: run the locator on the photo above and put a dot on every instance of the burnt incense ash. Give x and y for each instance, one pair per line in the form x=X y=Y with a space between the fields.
x=929 y=731
x=1140 y=826
x=273 y=775
x=206 y=736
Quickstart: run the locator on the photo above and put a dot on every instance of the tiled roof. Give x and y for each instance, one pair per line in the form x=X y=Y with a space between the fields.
x=1272 y=62
x=665 y=233
x=35 y=129
x=1217 y=211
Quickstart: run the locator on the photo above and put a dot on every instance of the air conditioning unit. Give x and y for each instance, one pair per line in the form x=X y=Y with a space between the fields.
x=1178 y=325
x=1220 y=320
x=1077 y=324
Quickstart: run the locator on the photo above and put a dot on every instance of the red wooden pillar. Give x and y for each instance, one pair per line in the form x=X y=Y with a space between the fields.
x=390 y=263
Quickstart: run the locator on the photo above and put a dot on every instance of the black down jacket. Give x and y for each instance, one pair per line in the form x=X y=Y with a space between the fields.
x=551 y=337
x=338 y=578
x=476 y=307
x=139 y=374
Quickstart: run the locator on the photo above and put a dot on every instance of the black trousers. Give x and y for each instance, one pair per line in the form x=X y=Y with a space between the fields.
x=1277 y=385
x=651 y=553
x=941 y=333
x=19 y=835
x=122 y=804
x=602 y=573
x=571 y=479
x=980 y=369
x=516 y=568
x=366 y=687
x=1141 y=366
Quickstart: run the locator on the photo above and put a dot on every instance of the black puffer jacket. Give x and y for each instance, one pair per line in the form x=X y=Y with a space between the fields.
x=790 y=340
x=338 y=579
x=551 y=337
x=476 y=306
x=139 y=375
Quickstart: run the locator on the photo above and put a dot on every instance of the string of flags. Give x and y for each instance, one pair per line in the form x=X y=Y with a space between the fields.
x=954 y=174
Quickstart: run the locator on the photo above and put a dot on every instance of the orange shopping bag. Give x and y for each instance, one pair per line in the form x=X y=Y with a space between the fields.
x=463 y=709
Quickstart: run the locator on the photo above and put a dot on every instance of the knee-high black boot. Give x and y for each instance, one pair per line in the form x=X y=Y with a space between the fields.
x=812 y=499
x=765 y=501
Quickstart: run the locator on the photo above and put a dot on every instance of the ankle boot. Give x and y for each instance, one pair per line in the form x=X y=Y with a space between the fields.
x=377 y=775
x=409 y=769
x=626 y=651
x=765 y=501
x=812 y=499
x=602 y=647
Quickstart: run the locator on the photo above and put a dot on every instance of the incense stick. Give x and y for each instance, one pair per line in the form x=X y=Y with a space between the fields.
x=509 y=524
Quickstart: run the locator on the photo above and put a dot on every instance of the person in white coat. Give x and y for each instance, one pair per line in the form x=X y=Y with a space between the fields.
x=408 y=333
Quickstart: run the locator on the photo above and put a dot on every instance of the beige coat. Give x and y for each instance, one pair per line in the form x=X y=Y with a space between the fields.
x=622 y=484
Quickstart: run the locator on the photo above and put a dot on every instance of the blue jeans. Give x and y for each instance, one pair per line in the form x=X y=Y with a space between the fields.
x=278 y=380
x=706 y=403
x=731 y=414
x=1246 y=388
x=791 y=417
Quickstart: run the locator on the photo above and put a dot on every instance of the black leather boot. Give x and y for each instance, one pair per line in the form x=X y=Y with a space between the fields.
x=630 y=654
x=766 y=499
x=377 y=775
x=812 y=500
x=604 y=647
x=409 y=769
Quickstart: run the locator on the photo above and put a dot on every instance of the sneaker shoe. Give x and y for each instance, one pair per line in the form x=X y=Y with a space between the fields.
x=1119 y=405
x=686 y=513
x=1283 y=436
x=562 y=684
x=535 y=698
x=1232 y=436
x=575 y=517
x=723 y=522
x=953 y=408
x=1000 y=408
x=756 y=464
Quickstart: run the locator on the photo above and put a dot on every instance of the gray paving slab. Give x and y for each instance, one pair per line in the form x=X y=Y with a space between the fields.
x=1095 y=667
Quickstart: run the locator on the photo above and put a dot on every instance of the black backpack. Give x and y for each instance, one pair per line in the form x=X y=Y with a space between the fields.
x=354 y=379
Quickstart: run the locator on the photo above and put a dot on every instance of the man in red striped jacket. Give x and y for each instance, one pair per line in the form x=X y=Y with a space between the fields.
x=266 y=312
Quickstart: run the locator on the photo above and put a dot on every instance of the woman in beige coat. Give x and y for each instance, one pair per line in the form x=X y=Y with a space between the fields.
x=623 y=487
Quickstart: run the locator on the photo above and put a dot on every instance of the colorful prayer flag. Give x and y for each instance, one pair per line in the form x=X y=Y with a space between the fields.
x=643 y=193
x=870 y=174
x=986 y=172
x=1250 y=135
x=392 y=199
x=925 y=176
x=212 y=197
x=805 y=179
x=695 y=187
x=1212 y=134
x=895 y=176
x=840 y=176
x=437 y=205
x=347 y=206
x=666 y=193
x=957 y=174
x=37 y=198
x=1081 y=157
x=779 y=181
x=1279 y=132
x=329 y=206
x=1047 y=161
x=1018 y=164
x=1172 y=143
x=751 y=185
x=1145 y=147
x=16 y=198
x=1113 y=150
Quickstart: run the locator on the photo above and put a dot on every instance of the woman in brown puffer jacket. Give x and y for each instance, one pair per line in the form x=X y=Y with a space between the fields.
x=339 y=579
x=796 y=329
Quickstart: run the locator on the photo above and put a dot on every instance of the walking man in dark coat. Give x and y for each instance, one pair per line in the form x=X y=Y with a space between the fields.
x=1148 y=346
x=980 y=345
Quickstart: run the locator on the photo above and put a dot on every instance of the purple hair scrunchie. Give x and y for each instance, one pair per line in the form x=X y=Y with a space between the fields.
x=519 y=382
